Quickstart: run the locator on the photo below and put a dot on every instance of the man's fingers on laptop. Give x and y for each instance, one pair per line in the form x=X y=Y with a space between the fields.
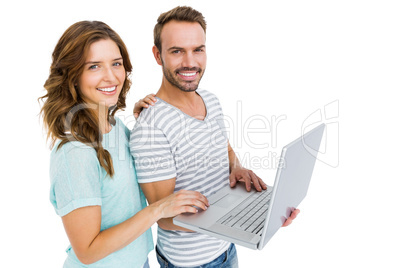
x=287 y=222
x=292 y=216
x=247 y=179
x=232 y=179
x=245 y=175
x=256 y=181
x=262 y=183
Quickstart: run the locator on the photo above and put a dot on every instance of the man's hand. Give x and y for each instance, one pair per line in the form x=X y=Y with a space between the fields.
x=248 y=177
x=292 y=216
x=239 y=173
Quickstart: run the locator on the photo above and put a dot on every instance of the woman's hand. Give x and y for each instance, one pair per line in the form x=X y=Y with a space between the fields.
x=181 y=202
x=143 y=103
x=90 y=244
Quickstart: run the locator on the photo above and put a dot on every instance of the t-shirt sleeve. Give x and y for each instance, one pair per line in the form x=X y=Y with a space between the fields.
x=75 y=178
x=152 y=154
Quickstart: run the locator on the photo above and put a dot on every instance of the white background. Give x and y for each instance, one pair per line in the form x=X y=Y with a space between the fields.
x=281 y=58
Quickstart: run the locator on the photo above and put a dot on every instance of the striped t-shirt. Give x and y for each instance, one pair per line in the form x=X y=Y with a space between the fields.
x=167 y=143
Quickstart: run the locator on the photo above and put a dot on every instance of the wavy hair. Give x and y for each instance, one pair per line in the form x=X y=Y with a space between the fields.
x=65 y=114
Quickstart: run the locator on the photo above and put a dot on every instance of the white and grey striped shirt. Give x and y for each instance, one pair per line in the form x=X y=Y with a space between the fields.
x=167 y=143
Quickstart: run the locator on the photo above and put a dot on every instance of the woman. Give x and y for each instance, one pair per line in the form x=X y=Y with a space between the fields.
x=93 y=182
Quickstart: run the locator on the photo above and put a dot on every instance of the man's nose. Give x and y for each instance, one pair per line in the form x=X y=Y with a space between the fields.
x=189 y=60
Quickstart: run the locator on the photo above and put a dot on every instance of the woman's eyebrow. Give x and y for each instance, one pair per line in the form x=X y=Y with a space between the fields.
x=94 y=62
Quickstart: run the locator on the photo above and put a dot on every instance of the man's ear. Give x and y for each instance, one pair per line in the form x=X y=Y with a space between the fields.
x=157 y=55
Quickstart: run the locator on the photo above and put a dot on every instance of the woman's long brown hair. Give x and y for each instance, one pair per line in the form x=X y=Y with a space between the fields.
x=66 y=116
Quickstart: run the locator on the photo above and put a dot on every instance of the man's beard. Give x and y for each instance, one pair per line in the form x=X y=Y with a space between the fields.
x=186 y=86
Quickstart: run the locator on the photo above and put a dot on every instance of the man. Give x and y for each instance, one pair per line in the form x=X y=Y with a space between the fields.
x=180 y=142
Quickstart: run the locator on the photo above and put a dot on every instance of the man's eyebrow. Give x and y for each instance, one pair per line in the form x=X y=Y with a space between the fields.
x=175 y=48
x=180 y=48
x=96 y=62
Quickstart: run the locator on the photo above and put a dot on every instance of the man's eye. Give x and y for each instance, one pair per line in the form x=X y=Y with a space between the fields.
x=176 y=51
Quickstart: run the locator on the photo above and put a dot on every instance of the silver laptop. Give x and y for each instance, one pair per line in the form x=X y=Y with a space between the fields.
x=250 y=219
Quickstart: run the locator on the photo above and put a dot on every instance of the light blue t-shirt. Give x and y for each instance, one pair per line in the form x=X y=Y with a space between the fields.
x=78 y=180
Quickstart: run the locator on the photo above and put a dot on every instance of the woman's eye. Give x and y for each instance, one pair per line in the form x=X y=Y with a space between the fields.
x=93 y=67
x=117 y=64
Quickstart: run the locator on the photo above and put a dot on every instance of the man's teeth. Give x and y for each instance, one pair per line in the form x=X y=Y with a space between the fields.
x=107 y=89
x=187 y=74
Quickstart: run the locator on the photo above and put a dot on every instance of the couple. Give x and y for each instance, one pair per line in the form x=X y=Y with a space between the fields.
x=101 y=174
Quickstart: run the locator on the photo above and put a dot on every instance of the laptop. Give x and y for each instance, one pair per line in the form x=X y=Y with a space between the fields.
x=251 y=219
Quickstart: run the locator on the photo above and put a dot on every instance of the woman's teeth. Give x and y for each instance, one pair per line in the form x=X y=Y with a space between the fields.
x=107 y=89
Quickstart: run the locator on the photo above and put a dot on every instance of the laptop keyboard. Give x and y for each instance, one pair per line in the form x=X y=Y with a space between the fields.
x=250 y=215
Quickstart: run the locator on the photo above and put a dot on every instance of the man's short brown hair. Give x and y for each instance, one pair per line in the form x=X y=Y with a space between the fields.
x=180 y=13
